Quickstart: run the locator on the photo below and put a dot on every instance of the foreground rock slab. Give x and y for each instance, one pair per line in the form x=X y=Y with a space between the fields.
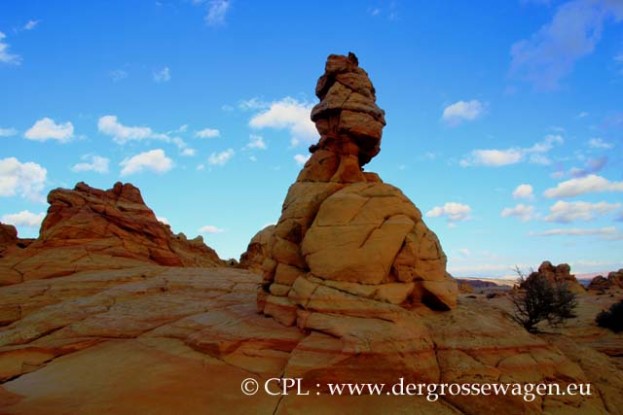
x=161 y=340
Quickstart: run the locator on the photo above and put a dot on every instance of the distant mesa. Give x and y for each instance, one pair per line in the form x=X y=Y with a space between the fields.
x=347 y=243
x=88 y=229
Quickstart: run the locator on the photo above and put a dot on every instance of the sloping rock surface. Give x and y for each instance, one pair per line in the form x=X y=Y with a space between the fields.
x=88 y=229
x=163 y=340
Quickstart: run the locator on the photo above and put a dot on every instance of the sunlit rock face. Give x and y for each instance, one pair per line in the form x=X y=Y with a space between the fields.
x=92 y=229
x=347 y=243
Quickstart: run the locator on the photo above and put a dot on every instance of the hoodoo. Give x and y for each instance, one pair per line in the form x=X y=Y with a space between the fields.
x=346 y=242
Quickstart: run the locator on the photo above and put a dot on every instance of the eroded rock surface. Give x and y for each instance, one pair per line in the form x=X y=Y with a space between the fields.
x=560 y=273
x=161 y=340
x=614 y=280
x=347 y=243
x=87 y=229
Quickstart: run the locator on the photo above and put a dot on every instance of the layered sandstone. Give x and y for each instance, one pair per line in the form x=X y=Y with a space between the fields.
x=167 y=340
x=560 y=273
x=87 y=228
x=614 y=280
x=8 y=234
x=347 y=243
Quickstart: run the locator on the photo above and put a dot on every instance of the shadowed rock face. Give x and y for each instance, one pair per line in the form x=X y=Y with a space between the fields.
x=8 y=234
x=347 y=243
x=87 y=229
x=560 y=273
x=614 y=280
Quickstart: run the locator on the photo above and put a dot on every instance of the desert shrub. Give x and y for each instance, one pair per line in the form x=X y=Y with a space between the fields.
x=542 y=300
x=491 y=295
x=613 y=318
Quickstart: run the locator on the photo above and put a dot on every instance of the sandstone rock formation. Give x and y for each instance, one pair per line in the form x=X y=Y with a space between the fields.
x=350 y=262
x=560 y=273
x=87 y=229
x=8 y=234
x=257 y=250
x=615 y=279
x=347 y=243
x=162 y=340
x=8 y=238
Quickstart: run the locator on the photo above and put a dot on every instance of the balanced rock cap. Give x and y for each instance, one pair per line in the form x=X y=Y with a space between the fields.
x=347 y=111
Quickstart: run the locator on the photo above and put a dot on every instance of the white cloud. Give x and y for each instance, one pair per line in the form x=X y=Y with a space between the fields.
x=7 y=132
x=588 y=184
x=162 y=75
x=253 y=104
x=217 y=12
x=573 y=32
x=609 y=233
x=163 y=220
x=523 y=191
x=565 y=212
x=583 y=114
x=153 y=160
x=24 y=218
x=523 y=212
x=120 y=133
x=461 y=111
x=455 y=212
x=290 y=114
x=93 y=163
x=46 y=129
x=493 y=158
x=210 y=229
x=535 y=154
x=220 y=159
x=23 y=179
x=301 y=159
x=599 y=143
x=208 y=133
x=118 y=75
x=5 y=56
x=256 y=142
x=593 y=165
x=31 y=24
x=188 y=152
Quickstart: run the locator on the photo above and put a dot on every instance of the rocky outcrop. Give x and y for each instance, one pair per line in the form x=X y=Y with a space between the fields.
x=8 y=238
x=560 y=273
x=347 y=243
x=614 y=280
x=87 y=228
x=8 y=234
x=10 y=242
x=162 y=340
x=257 y=250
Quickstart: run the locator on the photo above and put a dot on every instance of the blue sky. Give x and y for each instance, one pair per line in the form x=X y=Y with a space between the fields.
x=504 y=119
